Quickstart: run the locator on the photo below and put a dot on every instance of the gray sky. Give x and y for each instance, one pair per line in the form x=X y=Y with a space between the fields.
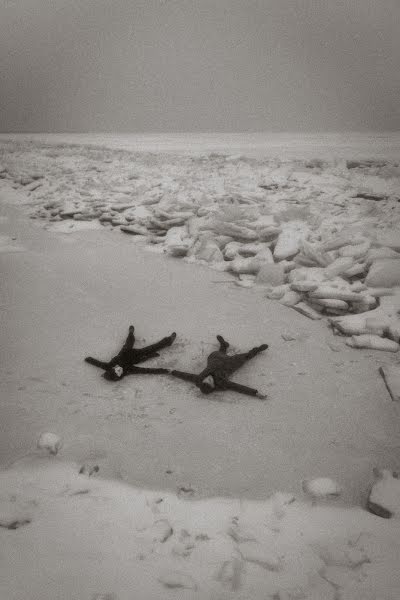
x=199 y=65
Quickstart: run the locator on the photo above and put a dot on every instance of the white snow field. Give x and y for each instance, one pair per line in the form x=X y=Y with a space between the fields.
x=145 y=488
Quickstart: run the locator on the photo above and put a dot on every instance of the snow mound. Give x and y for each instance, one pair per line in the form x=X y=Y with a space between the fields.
x=49 y=441
x=321 y=487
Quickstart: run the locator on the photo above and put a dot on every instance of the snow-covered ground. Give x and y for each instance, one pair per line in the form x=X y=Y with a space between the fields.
x=214 y=501
x=73 y=536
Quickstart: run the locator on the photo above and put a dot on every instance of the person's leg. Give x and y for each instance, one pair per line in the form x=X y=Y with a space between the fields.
x=164 y=343
x=97 y=363
x=254 y=351
x=146 y=357
x=223 y=344
x=232 y=363
x=130 y=340
x=227 y=365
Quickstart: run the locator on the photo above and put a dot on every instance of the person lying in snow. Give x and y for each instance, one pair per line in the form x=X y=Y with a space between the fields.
x=124 y=363
x=219 y=367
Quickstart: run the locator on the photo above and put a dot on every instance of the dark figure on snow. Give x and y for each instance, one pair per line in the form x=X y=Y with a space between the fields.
x=124 y=363
x=219 y=367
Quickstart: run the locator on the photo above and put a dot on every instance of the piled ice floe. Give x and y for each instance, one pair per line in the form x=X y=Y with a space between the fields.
x=307 y=230
x=105 y=539
x=349 y=280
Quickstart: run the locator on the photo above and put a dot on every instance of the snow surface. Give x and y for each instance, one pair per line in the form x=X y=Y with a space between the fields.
x=78 y=537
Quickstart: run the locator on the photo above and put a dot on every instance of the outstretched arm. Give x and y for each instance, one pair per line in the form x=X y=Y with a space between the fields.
x=149 y=350
x=149 y=370
x=185 y=376
x=97 y=363
x=226 y=384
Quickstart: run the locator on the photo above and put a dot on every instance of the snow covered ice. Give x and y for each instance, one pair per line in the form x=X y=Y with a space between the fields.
x=332 y=221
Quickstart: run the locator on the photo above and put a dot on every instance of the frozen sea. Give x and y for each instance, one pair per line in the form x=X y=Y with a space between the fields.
x=352 y=145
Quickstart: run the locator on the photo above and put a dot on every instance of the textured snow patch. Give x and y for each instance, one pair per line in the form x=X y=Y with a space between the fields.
x=7 y=244
x=69 y=226
x=105 y=539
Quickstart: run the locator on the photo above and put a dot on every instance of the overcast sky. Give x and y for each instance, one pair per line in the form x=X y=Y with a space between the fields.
x=199 y=65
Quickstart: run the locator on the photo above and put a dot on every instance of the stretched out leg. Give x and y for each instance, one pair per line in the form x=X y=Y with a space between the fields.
x=164 y=343
x=146 y=357
x=130 y=340
x=97 y=363
x=232 y=363
x=229 y=364
x=223 y=344
x=254 y=351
